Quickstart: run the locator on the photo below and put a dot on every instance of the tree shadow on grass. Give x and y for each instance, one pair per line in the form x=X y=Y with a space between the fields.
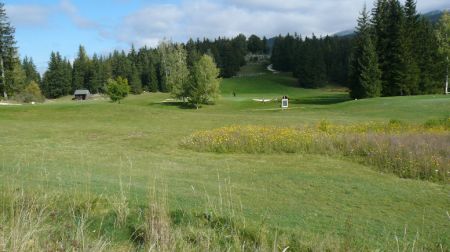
x=181 y=105
x=321 y=100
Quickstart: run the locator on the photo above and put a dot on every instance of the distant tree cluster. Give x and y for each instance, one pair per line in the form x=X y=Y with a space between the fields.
x=229 y=54
x=146 y=69
x=397 y=52
x=256 y=45
x=314 y=61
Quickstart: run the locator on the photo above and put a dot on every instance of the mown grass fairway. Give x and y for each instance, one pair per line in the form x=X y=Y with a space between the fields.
x=99 y=147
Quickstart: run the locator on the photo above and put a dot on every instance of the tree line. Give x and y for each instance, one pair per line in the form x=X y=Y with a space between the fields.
x=314 y=61
x=395 y=51
x=398 y=52
x=146 y=68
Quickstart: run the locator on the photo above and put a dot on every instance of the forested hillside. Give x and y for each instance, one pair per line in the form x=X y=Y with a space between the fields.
x=395 y=51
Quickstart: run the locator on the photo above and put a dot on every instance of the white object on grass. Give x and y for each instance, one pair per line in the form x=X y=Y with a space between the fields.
x=284 y=103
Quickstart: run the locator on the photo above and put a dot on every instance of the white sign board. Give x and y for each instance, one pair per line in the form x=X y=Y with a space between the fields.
x=284 y=103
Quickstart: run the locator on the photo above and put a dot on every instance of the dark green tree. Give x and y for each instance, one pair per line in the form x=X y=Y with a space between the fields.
x=82 y=71
x=394 y=71
x=312 y=72
x=255 y=44
x=365 y=75
x=101 y=73
x=412 y=71
x=8 y=53
x=265 y=45
x=428 y=59
x=57 y=79
x=30 y=70
x=120 y=65
x=135 y=81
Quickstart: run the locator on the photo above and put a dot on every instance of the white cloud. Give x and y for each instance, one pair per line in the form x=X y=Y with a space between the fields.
x=274 y=5
x=28 y=15
x=148 y=25
x=212 y=18
x=72 y=12
x=206 y=18
x=431 y=5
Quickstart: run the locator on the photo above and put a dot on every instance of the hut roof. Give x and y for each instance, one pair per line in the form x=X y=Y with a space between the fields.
x=82 y=92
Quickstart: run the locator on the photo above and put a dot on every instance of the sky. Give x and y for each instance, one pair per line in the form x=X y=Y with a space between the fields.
x=43 y=26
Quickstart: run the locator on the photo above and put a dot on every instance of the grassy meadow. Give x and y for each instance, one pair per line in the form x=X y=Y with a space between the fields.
x=116 y=177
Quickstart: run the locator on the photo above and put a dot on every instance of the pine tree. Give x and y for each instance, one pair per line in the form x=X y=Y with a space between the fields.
x=265 y=46
x=81 y=71
x=153 y=78
x=8 y=52
x=30 y=70
x=412 y=71
x=135 y=80
x=101 y=73
x=311 y=72
x=393 y=68
x=428 y=58
x=120 y=65
x=57 y=79
x=255 y=44
x=365 y=74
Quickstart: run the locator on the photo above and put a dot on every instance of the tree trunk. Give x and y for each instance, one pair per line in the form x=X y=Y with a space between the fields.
x=2 y=68
x=446 y=80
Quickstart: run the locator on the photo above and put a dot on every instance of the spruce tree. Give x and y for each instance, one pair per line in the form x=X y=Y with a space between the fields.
x=255 y=44
x=8 y=52
x=30 y=70
x=393 y=68
x=153 y=78
x=101 y=73
x=311 y=72
x=412 y=71
x=428 y=59
x=265 y=46
x=57 y=79
x=365 y=74
x=81 y=70
x=135 y=80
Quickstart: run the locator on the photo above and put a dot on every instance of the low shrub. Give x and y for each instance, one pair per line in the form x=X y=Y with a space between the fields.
x=32 y=93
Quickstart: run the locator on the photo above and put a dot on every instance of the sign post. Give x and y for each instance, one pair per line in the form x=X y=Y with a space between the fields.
x=284 y=102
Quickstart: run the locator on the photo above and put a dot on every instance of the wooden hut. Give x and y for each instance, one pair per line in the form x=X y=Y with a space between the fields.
x=81 y=94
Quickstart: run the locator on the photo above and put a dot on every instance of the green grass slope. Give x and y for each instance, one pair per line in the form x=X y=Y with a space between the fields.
x=97 y=146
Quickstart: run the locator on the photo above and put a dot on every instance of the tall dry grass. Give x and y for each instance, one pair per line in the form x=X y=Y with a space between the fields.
x=33 y=221
x=39 y=221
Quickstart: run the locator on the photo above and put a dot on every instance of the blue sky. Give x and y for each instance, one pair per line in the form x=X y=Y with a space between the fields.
x=104 y=25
